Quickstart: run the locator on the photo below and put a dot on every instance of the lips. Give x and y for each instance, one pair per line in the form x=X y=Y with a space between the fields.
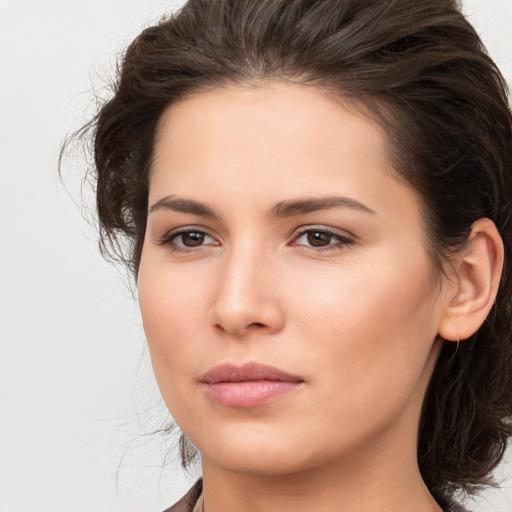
x=250 y=385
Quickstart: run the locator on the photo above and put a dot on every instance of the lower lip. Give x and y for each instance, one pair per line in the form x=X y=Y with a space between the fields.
x=249 y=393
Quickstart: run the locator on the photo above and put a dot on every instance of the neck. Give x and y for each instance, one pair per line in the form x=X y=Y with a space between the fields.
x=382 y=481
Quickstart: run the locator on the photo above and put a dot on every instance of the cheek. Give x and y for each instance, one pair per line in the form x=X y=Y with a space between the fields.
x=368 y=301
x=372 y=330
x=173 y=312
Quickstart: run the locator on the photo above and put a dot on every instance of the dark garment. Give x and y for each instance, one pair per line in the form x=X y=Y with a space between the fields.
x=187 y=503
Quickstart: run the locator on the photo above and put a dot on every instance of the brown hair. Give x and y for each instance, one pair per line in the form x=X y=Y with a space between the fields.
x=417 y=67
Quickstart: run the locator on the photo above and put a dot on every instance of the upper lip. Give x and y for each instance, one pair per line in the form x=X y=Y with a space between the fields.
x=248 y=372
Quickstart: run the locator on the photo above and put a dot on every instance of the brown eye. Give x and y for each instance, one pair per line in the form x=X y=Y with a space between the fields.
x=322 y=239
x=188 y=240
x=318 y=238
x=191 y=238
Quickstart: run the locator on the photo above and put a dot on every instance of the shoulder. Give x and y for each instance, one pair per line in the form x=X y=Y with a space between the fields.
x=188 y=502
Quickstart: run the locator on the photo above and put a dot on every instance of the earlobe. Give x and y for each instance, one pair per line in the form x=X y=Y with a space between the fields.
x=474 y=283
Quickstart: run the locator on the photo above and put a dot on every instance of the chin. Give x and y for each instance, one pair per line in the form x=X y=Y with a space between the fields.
x=262 y=455
x=255 y=463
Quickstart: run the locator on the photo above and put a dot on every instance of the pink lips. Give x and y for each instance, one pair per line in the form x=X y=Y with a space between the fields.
x=250 y=385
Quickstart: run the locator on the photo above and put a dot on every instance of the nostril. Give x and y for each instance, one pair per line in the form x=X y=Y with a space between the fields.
x=256 y=324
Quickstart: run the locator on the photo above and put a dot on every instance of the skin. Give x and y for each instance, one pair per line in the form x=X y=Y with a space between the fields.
x=357 y=318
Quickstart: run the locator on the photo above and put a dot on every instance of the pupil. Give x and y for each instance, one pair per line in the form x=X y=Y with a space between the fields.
x=318 y=239
x=193 y=239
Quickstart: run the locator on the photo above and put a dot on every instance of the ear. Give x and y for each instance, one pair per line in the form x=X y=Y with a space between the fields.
x=473 y=286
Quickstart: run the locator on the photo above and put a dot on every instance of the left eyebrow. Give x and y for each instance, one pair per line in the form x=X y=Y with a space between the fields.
x=181 y=205
x=308 y=205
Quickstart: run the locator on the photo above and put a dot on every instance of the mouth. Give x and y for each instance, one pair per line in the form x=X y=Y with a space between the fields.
x=250 y=385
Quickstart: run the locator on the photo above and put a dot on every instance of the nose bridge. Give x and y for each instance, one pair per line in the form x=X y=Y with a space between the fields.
x=244 y=299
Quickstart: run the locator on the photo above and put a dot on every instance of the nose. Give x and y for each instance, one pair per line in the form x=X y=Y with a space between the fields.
x=247 y=299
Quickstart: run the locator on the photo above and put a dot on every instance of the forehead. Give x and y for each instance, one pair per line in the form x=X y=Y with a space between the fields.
x=294 y=105
x=260 y=145
x=246 y=126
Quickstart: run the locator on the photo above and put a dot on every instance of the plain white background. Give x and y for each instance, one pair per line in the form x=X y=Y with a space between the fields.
x=77 y=396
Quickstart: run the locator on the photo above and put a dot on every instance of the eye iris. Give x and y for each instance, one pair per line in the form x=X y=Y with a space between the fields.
x=318 y=239
x=192 y=239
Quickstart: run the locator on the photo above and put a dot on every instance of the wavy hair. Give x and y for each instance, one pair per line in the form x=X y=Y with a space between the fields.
x=418 y=68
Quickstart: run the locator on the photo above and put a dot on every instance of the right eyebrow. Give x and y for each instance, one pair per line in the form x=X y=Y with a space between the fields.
x=178 y=204
x=308 y=205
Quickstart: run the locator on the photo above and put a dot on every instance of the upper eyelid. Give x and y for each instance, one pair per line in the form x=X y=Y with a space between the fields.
x=319 y=227
x=175 y=232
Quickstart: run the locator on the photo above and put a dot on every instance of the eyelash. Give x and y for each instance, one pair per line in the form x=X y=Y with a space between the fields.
x=169 y=239
x=342 y=240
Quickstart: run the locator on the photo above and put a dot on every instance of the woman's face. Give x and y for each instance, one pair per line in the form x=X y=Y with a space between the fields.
x=278 y=236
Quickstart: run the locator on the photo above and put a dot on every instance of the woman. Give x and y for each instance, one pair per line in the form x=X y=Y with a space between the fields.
x=318 y=201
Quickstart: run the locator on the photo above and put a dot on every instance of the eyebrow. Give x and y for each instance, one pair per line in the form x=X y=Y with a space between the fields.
x=308 y=205
x=282 y=209
x=178 y=204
